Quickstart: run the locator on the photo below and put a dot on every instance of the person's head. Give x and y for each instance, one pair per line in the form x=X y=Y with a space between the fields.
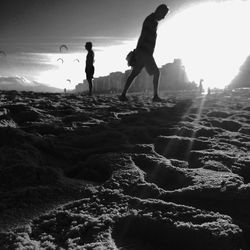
x=88 y=46
x=161 y=11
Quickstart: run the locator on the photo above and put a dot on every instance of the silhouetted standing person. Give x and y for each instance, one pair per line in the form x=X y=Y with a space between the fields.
x=144 y=51
x=89 y=68
x=201 y=86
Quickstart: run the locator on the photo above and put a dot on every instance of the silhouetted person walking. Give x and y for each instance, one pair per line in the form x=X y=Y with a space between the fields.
x=144 y=51
x=89 y=68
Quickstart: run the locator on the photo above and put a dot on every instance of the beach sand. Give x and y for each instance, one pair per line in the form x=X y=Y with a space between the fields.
x=79 y=172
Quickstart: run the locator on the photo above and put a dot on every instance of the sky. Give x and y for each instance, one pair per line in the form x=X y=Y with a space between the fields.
x=206 y=35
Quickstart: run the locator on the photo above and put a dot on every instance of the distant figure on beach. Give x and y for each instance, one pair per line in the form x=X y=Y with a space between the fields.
x=144 y=52
x=89 y=68
x=201 y=90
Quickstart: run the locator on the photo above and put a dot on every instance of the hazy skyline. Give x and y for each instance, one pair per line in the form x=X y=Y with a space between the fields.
x=32 y=31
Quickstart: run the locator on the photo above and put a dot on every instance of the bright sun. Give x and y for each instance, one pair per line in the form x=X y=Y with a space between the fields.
x=212 y=39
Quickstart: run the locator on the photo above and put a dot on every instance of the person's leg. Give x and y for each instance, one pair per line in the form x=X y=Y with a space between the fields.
x=156 y=76
x=90 y=85
x=135 y=72
x=152 y=69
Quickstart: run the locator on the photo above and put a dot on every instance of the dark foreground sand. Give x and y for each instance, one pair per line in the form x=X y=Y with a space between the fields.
x=94 y=173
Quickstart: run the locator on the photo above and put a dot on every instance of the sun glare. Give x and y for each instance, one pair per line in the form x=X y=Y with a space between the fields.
x=65 y=67
x=212 y=39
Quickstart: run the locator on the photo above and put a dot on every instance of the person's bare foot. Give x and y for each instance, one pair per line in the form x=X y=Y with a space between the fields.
x=157 y=99
x=123 y=98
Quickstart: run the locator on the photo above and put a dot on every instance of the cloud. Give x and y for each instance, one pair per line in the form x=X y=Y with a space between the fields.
x=23 y=84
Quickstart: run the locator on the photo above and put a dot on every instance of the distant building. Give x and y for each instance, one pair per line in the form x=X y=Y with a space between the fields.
x=110 y=83
x=173 y=77
x=143 y=82
x=115 y=80
x=82 y=87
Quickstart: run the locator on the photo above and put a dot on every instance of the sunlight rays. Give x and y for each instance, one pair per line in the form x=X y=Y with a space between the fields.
x=66 y=68
x=181 y=134
x=196 y=123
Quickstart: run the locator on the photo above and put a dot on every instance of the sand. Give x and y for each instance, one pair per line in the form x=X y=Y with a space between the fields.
x=79 y=172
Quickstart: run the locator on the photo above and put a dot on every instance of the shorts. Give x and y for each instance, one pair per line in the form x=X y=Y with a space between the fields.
x=90 y=72
x=145 y=60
